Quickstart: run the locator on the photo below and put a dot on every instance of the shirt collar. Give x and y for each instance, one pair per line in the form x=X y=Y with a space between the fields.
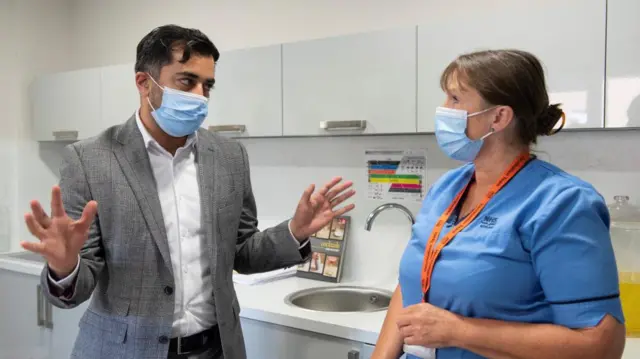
x=148 y=139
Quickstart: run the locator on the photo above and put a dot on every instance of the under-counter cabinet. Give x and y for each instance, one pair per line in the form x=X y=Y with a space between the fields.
x=270 y=341
x=30 y=327
x=247 y=98
x=567 y=36
x=66 y=106
x=623 y=64
x=360 y=83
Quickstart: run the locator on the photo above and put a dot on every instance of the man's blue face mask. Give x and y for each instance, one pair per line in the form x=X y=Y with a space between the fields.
x=181 y=113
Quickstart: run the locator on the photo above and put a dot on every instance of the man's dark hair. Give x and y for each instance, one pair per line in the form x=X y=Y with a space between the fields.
x=155 y=50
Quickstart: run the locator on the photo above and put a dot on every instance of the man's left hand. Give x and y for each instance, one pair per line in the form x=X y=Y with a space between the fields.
x=429 y=326
x=317 y=209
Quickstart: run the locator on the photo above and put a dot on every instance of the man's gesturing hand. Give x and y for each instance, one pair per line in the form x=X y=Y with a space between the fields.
x=61 y=237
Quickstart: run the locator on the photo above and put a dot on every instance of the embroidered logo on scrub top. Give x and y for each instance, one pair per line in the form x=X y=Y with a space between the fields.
x=488 y=222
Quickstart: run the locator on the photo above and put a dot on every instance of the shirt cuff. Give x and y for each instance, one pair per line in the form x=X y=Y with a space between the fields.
x=300 y=244
x=66 y=282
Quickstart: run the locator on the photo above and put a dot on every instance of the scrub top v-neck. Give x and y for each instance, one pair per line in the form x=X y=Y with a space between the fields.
x=538 y=252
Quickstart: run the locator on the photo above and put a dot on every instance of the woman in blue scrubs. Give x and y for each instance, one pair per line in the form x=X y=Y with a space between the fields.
x=510 y=256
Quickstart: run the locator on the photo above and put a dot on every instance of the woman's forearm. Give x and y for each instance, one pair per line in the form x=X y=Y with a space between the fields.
x=389 y=345
x=507 y=340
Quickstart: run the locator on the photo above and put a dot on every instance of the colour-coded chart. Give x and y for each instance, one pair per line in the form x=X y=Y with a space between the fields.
x=398 y=175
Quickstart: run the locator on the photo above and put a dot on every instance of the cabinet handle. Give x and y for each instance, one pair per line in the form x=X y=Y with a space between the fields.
x=48 y=315
x=65 y=135
x=343 y=125
x=39 y=301
x=354 y=354
x=228 y=128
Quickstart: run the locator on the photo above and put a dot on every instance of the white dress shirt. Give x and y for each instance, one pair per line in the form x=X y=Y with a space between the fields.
x=177 y=184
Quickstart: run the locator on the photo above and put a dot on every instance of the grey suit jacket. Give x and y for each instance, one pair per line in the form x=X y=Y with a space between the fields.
x=125 y=262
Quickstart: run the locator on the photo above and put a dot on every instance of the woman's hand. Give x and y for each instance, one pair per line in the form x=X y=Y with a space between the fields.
x=429 y=326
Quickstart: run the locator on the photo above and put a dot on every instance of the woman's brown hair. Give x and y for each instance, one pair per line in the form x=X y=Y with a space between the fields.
x=511 y=78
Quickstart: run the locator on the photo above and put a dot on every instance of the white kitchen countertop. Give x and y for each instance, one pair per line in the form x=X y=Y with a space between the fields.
x=266 y=302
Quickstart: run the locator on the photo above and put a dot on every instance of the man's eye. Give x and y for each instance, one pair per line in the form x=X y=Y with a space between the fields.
x=186 y=82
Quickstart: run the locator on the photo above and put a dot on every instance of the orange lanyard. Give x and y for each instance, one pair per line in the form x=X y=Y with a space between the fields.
x=431 y=254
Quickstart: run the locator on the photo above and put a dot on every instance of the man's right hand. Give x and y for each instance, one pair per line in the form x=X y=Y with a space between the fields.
x=61 y=237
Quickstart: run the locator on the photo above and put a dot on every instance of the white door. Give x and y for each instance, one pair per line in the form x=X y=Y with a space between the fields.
x=66 y=106
x=623 y=64
x=567 y=36
x=65 y=330
x=247 y=98
x=23 y=333
x=120 y=96
x=362 y=83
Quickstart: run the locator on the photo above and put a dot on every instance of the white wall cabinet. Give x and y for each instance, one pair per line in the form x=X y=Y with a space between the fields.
x=266 y=341
x=120 y=96
x=68 y=101
x=567 y=36
x=247 y=99
x=623 y=64
x=363 y=77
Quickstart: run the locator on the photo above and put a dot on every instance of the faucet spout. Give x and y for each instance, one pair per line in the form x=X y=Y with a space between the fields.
x=372 y=216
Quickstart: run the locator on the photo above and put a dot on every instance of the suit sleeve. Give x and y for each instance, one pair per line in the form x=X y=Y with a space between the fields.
x=75 y=195
x=270 y=249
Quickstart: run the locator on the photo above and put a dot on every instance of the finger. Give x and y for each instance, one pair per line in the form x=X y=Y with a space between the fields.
x=57 y=209
x=40 y=215
x=34 y=227
x=306 y=195
x=323 y=191
x=316 y=201
x=88 y=215
x=341 y=198
x=35 y=247
x=339 y=212
x=404 y=320
x=339 y=189
x=411 y=340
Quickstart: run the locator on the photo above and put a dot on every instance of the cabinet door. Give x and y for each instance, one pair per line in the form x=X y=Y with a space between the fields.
x=120 y=97
x=21 y=336
x=265 y=340
x=623 y=64
x=65 y=104
x=247 y=99
x=363 y=77
x=567 y=36
x=65 y=330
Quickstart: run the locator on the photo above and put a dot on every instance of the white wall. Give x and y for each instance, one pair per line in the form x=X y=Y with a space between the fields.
x=281 y=168
x=35 y=40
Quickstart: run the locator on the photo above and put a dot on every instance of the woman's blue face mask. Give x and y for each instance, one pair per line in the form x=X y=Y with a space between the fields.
x=451 y=134
x=181 y=113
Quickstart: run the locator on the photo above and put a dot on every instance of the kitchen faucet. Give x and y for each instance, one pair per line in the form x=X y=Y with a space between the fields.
x=372 y=216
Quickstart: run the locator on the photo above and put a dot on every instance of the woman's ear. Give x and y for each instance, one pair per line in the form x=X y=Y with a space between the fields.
x=503 y=117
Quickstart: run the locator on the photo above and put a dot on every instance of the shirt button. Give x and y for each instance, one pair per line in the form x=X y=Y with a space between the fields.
x=163 y=339
x=168 y=290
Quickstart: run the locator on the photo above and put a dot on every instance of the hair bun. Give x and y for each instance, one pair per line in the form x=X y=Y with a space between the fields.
x=548 y=120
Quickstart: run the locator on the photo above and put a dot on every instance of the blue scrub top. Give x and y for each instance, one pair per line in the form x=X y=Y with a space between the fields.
x=539 y=252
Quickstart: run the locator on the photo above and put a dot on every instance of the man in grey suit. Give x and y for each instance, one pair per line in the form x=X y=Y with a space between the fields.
x=151 y=217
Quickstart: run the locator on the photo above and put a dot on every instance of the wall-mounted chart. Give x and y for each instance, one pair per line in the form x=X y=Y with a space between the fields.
x=396 y=175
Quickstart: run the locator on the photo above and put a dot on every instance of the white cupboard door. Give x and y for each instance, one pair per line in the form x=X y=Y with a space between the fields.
x=247 y=98
x=567 y=36
x=120 y=96
x=65 y=330
x=22 y=328
x=349 y=82
x=623 y=64
x=66 y=104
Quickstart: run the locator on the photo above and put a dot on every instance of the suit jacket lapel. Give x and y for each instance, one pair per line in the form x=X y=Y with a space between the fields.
x=131 y=154
x=206 y=182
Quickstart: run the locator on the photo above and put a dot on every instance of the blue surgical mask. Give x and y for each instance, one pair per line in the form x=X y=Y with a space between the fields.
x=451 y=133
x=181 y=113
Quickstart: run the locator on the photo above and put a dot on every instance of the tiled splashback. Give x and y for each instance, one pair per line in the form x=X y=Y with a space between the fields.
x=283 y=167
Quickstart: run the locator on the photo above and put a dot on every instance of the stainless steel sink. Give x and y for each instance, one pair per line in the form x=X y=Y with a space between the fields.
x=25 y=256
x=341 y=299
